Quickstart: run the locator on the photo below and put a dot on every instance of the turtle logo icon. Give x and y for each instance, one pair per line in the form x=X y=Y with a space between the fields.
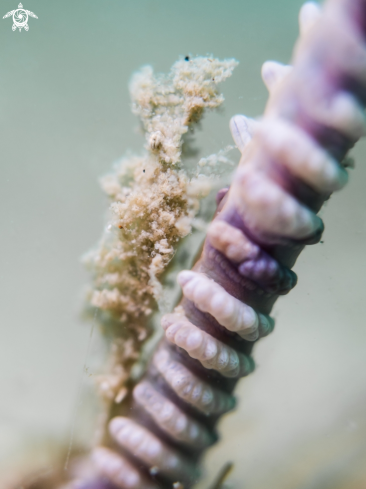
x=20 y=18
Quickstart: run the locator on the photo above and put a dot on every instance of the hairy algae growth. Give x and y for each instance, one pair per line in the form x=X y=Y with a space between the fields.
x=154 y=198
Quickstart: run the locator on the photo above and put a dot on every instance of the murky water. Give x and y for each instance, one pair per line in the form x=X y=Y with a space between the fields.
x=65 y=117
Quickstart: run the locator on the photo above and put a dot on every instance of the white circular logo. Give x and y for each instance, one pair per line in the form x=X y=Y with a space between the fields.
x=20 y=18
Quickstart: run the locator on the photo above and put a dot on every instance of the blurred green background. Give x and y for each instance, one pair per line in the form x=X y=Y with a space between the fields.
x=65 y=117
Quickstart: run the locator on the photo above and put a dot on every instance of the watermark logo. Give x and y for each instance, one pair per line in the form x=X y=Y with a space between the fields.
x=20 y=18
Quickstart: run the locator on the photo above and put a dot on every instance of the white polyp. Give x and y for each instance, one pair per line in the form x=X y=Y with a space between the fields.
x=242 y=129
x=269 y=208
x=208 y=296
x=169 y=417
x=342 y=112
x=146 y=447
x=231 y=241
x=347 y=115
x=191 y=388
x=291 y=147
x=309 y=14
x=273 y=73
x=210 y=352
x=118 y=470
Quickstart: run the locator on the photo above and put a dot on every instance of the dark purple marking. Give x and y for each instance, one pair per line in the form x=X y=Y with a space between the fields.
x=269 y=243
x=296 y=187
x=225 y=273
x=357 y=11
x=269 y=274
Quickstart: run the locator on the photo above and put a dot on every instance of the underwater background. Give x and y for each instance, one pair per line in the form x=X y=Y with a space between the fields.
x=65 y=118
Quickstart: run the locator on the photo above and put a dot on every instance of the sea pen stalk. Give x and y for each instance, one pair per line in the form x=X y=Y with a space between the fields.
x=292 y=160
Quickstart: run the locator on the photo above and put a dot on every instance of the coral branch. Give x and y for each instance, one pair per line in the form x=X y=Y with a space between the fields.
x=292 y=160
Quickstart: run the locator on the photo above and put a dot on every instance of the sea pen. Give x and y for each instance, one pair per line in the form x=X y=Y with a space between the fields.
x=292 y=160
